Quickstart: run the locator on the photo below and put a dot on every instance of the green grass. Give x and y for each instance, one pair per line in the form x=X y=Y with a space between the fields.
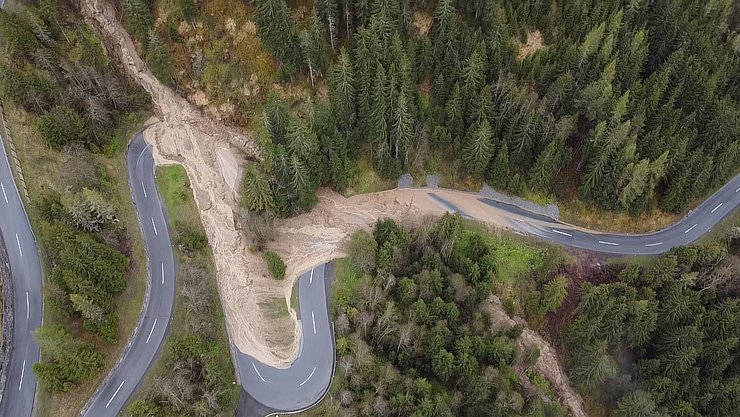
x=347 y=280
x=174 y=188
x=294 y=303
x=366 y=179
x=47 y=170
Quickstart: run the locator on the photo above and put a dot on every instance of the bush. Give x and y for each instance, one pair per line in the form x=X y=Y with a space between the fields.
x=190 y=240
x=275 y=264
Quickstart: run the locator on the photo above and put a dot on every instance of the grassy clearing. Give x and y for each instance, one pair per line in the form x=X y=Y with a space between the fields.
x=196 y=277
x=294 y=303
x=580 y=213
x=47 y=170
x=366 y=179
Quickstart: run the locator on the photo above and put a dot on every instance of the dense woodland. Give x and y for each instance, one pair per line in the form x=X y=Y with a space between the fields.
x=56 y=69
x=412 y=339
x=663 y=340
x=632 y=103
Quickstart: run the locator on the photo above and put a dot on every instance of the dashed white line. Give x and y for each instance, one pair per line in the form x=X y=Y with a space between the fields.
x=689 y=229
x=562 y=233
x=154 y=226
x=314 y=323
x=258 y=372
x=143 y=189
x=114 y=394
x=27 y=308
x=718 y=206
x=162 y=273
x=737 y=190
x=18 y=241
x=309 y=377
x=310 y=280
x=151 y=331
x=4 y=195
x=23 y=372
x=654 y=244
x=608 y=243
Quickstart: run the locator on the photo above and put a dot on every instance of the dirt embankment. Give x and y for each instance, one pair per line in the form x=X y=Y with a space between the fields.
x=547 y=364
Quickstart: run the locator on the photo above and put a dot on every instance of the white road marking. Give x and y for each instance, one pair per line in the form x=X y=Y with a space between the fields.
x=19 y=244
x=258 y=372
x=4 y=195
x=314 y=323
x=718 y=206
x=689 y=229
x=151 y=331
x=162 y=273
x=23 y=372
x=737 y=190
x=27 y=308
x=310 y=280
x=562 y=233
x=654 y=244
x=309 y=377
x=143 y=189
x=114 y=394
x=608 y=243
x=154 y=226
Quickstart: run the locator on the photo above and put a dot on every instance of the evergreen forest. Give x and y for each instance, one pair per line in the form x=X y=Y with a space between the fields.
x=633 y=105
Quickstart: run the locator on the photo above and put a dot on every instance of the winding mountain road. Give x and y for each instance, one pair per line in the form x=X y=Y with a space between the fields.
x=308 y=378
x=146 y=343
x=304 y=383
x=28 y=306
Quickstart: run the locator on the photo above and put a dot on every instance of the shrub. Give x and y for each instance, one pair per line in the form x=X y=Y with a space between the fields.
x=275 y=264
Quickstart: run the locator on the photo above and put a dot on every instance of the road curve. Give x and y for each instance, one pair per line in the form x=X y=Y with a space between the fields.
x=28 y=306
x=308 y=378
x=304 y=383
x=145 y=345
x=690 y=228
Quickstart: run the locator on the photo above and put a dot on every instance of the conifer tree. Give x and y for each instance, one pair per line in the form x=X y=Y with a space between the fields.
x=342 y=92
x=140 y=19
x=257 y=192
x=277 y=31
x=312 y=46
x=159 y=60
x=478 y=151
x=499 y=172
x=275 y=117
x=329 y=10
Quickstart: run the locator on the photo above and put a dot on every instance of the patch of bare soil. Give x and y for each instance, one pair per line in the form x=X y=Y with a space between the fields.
x=421 y=22
x=534 y=43
x=547 y=364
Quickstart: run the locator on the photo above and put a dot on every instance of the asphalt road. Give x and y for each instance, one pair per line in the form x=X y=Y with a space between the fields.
x=308 y=378
x=687 y=230
x=145 y=345
x=25 y=267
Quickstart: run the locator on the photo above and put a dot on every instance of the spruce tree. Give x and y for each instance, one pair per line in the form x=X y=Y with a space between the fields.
x=342 y=92
x=499 y=172
x=257 y=192
x=139 y=18
x=159 y=60
x=478 y=151
x=276 y=29
x=312 y=47
x=329 y=10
